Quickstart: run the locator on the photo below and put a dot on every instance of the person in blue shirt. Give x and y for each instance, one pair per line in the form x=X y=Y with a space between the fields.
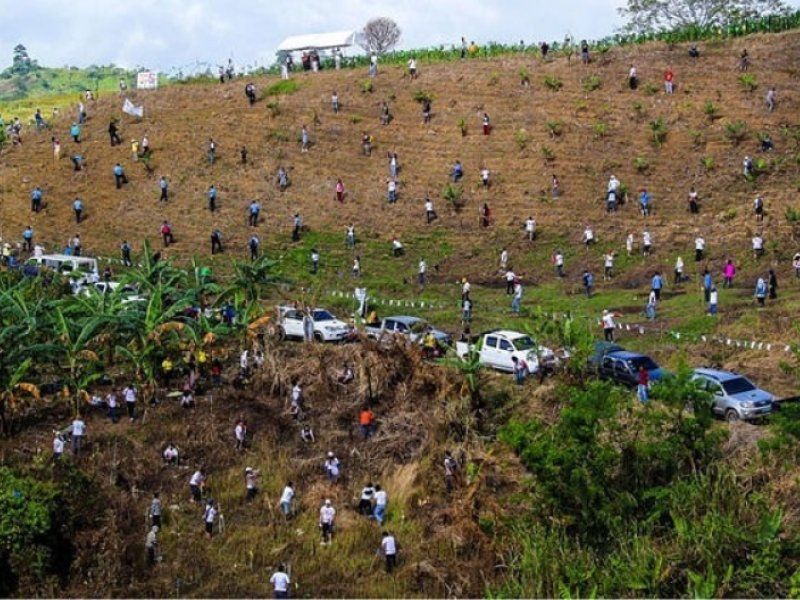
x=27 y=239
x=75 y=132
x=458 y=172
x=212 y=198
x=644 y=203
x=125 y=251
x=255 y=210
x=36 y=199
x=298 y=223
x=761 y=291
x=253 y=244
x=657 y=284
x=40 y=122
x=216 y=241
x=588 y=283
x=164 y=185
x=708 y=283
x=119 y=175
x=77 y=206
x=77 y=161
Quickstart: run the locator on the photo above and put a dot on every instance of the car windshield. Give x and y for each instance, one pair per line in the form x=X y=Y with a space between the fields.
x=323 y=315
x=737 y=386
x=642 y=361
x=524 y=343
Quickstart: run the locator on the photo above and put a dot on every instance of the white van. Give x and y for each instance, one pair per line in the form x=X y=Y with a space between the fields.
x=66 y=264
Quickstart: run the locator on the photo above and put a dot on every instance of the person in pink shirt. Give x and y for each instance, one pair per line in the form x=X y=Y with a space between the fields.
x=339 y=190
x=728 y=273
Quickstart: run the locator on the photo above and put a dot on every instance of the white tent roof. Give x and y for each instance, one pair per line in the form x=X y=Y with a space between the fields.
x=336 y=39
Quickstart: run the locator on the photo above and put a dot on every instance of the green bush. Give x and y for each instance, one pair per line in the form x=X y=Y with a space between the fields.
x=281 y=88
x=524 y=77
x=422 y=96
x=792 y=216
x=367 y=86
x=554 y=128
x=640 y=164
x=454 y=194
x=462 y=127
x=591 y=83
x=521 y=138
x=600 y=129
x=710 y=110
x=547 y=153
x=551 y=82
x=708 y=163
x=735 y=131
x=650 y=89
x=274 y=108
x=748 y=81
x=658 y=129
x=638 y=109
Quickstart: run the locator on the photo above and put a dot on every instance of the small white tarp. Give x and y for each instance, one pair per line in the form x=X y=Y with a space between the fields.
x=320 y=41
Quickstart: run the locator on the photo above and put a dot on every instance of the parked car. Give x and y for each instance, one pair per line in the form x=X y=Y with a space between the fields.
x=600 y=350
x=327 y=328
x=128 y=293
x=735 y=397
x=498 y=347
x=413 y=328
x=622 y=366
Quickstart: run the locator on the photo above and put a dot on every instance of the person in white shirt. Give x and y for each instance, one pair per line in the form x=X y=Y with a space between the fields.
x=78 y=434
x=332 y=467
x=58 y=446
x=111 y=402
x=335 y=102
x=151 y=545
x=633 y=80
x=678 y=270
x=391 y=191
x=503 y=259
x=280 y=582
x=530 y=229
x=196 y=484
x=485 y=177
x=650 y=308
x=608 y=265
x=381 y=501
x=287 y=496
x=430 y=213
x=465 y=289
x=713 y=296
x=510 y=278
x=647 y=243
x=608 y=325
x=389 y=551
x=699 y=248
x=129 y=393
x=209 y=516
x=170 y=454
x=423 y=267
x=356 y=270
x=629 y=244
x=397 y=247
x=412 y=68
x=758 y=246
x=558 y=262
x=239 y=434
x=613 y=184
x=155 y=510
x=373 y=65
x=327 y=518
x=588 y=236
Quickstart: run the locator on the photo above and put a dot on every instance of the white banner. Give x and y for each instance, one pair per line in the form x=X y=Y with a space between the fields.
x=131 y=109
x=147 y=80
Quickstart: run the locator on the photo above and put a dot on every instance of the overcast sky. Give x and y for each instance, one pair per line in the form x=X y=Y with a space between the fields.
x=165 y=34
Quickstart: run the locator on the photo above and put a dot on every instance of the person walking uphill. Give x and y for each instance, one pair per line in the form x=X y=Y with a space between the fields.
x=112 y=133
x=119 y=176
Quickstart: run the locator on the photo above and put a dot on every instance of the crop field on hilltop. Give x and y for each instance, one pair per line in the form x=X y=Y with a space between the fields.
x=564 y=486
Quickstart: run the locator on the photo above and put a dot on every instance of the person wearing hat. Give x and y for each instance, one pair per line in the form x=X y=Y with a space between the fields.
x=327 y=516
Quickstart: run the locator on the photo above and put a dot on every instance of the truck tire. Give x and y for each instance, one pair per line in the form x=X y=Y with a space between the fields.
x=731 y=416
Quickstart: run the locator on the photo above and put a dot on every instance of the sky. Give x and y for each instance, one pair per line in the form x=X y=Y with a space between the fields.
x=177 y=34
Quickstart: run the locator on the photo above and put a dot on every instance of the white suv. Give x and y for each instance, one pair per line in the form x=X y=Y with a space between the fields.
x=327 y=328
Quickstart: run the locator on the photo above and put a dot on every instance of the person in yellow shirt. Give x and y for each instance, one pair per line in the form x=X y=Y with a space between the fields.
x=135 y=150
x=473 y=48
x=166 y=370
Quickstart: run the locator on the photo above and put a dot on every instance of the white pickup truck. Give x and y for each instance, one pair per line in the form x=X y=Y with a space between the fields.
x=497 y=348
x=327 y=328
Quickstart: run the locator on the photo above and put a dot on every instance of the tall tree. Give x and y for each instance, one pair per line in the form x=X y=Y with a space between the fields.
x=380 y=35
x=645 y=16
x=21 y=63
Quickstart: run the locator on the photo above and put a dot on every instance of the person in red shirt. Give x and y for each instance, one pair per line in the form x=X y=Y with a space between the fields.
x=166 y=234
x=366 y=420
x=339 y=190
x=668 y=77
x=644 y=381
x=486 y=215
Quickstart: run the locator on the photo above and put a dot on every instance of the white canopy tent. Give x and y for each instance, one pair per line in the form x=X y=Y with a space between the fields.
x=320 y=41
